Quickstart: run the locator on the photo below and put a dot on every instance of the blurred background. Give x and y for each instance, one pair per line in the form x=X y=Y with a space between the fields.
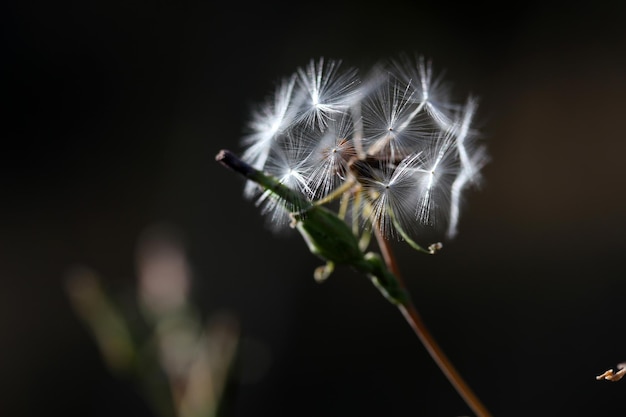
x=114 y=112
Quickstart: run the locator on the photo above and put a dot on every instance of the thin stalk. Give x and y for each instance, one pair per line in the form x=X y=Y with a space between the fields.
x=330 y=238
x=414 y=319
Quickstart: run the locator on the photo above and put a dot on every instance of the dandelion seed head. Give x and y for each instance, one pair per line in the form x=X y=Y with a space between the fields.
x=393 y=144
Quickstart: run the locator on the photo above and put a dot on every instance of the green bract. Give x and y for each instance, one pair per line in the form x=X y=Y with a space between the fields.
x=326 y=235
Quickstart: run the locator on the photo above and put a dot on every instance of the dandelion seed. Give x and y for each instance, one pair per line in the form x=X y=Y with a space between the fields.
x=389 y=125
x=435 y=176
x=290 y=165
x=472 y=161
x=466 y=176
x=463 y=135
x=326 y=91
x=391 y=192
x=331 y=156
x=268 y=121
x=431 y=94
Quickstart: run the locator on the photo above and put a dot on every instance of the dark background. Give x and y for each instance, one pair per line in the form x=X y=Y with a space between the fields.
x=114 y=111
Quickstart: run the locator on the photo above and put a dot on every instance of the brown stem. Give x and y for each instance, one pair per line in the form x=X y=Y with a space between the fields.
x=411 y=315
